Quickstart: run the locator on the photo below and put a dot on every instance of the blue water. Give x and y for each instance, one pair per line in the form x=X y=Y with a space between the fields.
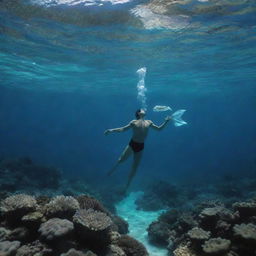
x=68 y=72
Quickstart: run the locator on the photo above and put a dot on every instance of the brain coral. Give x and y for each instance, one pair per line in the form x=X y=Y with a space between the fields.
x=55 y=228
x=62 y=207
x=131 y=247
x=216 y=246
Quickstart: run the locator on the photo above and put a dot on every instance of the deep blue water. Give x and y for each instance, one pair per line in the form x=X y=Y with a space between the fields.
x=67 y=73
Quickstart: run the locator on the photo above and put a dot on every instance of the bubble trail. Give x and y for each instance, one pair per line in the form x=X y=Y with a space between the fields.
x=142 y=88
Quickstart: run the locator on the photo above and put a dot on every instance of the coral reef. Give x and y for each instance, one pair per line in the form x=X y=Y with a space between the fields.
x=246 y=232
x=131 y=247
x=8 y=248
x=87 y=202
x=16 y=206
x=121 y=224
x=34 y=248
x=216 y=246
x=208 y=229
x=36 y=231
x=73 y=252
x=62 y=206
x=93 y=227
x=55 y=229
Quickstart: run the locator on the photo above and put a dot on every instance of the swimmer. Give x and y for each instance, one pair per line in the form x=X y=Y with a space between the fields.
x=140 y=128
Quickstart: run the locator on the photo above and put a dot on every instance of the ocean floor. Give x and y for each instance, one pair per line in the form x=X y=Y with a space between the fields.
x=139 y=221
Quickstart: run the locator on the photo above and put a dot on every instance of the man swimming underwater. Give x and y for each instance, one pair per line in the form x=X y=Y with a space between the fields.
x=140 y=128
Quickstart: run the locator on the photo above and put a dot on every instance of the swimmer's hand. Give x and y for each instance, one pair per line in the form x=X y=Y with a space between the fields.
x=108 y=131
x=168 y=118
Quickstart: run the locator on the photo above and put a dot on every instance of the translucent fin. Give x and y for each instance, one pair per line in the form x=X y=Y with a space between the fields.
x=159 y=108
x=176 y=116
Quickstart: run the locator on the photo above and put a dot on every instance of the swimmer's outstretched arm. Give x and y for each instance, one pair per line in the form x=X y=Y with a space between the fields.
x=160 y=127
x=120 y=129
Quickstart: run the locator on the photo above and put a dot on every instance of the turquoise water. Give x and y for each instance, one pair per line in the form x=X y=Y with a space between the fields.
x=68 y=72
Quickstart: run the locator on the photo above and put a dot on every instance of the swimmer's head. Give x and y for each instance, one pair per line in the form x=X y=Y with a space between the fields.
x=140 y=113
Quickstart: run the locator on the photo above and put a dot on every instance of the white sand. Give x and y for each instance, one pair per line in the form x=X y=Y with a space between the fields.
x=138 y=222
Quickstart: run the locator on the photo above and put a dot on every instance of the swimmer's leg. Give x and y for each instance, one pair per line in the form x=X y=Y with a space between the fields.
x=125 y=155
x=136 y=161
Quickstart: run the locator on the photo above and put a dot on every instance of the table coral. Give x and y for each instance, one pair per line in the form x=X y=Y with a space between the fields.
x=198 y=234
x=62 y=207
x=245 y=231
x=216 y=246
x=8 y=248
x=16 y=203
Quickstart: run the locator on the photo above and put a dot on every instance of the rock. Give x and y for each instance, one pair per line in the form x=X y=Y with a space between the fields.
x=8 y=248
x=55 y=229
x=216 y=246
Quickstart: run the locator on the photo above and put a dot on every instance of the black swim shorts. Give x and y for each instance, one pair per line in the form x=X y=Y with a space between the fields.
x=136 y=146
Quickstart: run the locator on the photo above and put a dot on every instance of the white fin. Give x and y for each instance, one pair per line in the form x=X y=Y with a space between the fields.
x=176 y=116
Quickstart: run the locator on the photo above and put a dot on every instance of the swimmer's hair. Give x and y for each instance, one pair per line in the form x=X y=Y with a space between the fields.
x=137 y=114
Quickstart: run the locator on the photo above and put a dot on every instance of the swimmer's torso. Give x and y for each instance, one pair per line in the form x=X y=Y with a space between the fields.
x=140 y=129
